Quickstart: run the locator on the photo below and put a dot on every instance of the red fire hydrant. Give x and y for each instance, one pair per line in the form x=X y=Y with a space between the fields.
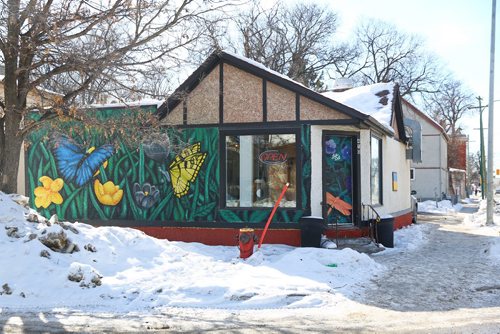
x=247 y=239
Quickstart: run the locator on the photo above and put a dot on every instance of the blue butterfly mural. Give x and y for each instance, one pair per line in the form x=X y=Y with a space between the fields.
x=77 y=165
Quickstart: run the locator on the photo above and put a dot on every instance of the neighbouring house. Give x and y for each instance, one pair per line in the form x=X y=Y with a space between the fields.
x=429 y=165
x=235 y=134
x=457 y=164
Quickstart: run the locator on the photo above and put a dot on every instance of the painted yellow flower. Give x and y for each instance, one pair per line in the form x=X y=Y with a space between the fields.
x=48 y=192
x=104 y=164
x=108 y=193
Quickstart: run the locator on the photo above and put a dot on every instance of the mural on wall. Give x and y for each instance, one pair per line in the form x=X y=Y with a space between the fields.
x=337 y=178
x=184 y=169
x=173 y=176
x=77 y=165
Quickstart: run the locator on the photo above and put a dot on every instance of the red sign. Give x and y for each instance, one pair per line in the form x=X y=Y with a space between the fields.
x=273 y=157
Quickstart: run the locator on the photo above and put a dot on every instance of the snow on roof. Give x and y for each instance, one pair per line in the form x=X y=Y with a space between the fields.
x=374 y=100
x=139 y=103
x=263 y=67
x=457 y=170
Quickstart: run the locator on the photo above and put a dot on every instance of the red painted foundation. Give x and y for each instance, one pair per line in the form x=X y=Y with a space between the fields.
x=229 y=236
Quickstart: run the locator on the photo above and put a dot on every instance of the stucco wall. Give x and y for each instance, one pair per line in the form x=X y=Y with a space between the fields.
x=203 y=101
x=242 y=96
x=394 y=160
x=280 y=103
x=311 y=110
x=175 y=117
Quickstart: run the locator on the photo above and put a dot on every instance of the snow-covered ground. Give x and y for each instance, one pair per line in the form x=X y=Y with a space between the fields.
x=440 y=207
x=122 y=269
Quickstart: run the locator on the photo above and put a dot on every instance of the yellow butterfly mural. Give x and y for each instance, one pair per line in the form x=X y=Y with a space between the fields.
x=185 y=167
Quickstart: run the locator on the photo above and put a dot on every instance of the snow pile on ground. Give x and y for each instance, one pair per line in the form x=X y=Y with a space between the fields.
x=441 y=207
x=408 y=238
x=50 y=264
x=478 y=220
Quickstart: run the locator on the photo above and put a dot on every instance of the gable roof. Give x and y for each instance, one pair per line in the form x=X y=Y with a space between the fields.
x=371 y=117
x=375 y=100
x=426 y=117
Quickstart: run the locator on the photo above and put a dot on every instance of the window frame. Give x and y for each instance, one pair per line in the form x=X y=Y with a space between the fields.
x=380 y=172
x=251 y=132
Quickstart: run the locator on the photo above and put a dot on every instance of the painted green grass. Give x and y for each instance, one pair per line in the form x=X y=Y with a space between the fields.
x=129 y=165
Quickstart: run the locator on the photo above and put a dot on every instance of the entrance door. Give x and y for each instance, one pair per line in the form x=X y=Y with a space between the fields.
x=339 y=177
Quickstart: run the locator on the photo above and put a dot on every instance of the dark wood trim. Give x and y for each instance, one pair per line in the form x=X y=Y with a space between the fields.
x=221 y=93
x=297 y=107
x=184 y=111
x=222 y=57
x=222 y=172
x=271 y=125
x=264 y=100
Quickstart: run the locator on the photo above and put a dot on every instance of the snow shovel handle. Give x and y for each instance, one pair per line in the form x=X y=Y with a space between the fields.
x=272 y=213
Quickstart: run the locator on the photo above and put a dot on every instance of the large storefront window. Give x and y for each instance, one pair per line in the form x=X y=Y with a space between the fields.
x=257 y=168
x=376 y=171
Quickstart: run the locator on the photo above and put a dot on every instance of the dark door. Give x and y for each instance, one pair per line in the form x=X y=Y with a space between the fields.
x=340 y=177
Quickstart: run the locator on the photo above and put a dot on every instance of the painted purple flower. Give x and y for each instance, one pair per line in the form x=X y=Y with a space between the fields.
x=146 y=196
x=330 y=146
x=346 y=153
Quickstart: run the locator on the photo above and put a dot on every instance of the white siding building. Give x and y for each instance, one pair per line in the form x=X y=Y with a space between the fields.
x=429 y=168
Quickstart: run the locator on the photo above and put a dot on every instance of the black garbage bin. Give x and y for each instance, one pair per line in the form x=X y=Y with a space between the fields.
x=385 y=232
x=311 y=229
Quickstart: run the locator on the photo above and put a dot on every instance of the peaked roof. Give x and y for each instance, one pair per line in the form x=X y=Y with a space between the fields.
x=426 y=117
x=374 y=115
x=375 y=100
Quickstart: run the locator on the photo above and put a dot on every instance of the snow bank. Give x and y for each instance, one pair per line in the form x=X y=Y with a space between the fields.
x=121 y=269
x=408 y=238
x=441 y=207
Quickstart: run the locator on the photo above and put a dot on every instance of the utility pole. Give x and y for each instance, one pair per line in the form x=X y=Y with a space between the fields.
x=481 y=148
x=489 y=173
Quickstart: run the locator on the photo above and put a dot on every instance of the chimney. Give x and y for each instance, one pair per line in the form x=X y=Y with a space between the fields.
x=342 y=84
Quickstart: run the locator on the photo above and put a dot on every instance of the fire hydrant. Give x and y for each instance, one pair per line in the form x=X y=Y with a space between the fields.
x=247 y=239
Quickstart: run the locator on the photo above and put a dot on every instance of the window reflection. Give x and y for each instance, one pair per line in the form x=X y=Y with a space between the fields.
x=258 y=166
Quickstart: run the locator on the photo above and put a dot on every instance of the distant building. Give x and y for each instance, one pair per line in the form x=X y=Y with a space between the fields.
x=429 y=167
x=457 y=164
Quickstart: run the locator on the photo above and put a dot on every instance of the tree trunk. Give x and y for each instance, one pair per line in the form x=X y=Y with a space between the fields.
x=11 y=150
x=2 y=148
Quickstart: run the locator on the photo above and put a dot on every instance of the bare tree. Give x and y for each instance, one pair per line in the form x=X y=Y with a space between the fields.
x=75 y=46
x=449 y=104
x=297 y=41
x=384 y=54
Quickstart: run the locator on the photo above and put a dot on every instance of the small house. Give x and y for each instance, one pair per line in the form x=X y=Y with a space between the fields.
x=235 y=134
x=429 y=160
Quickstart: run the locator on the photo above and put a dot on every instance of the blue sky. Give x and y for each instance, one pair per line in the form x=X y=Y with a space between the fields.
x=458 y=31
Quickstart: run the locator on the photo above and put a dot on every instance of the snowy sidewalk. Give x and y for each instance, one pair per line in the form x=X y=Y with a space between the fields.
x=451 y=271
